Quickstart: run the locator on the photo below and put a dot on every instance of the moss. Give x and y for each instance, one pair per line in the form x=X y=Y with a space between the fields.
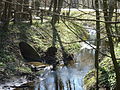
x=89 y=79
x=24 y=69
x=2 y=64
x=40 y=72
x=6 y=56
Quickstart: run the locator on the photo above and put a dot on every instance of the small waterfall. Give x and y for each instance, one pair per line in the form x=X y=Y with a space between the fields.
x=67 y=79
x=85 y=58
x=71 y=78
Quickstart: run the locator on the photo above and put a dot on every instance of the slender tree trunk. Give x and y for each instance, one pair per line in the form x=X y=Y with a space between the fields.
x=5 y=17
x=116 y=26
x=69 y=7
x=88 y=3
x=111 y=45
x=53 y=22
x=51 y=4
x=1 y=8
x=83 y=2
x=111 y=7
x=30 y=18
x=97 y=42
x=5 y=22
x=45 y=4
x=93 y=4
x=55 y=18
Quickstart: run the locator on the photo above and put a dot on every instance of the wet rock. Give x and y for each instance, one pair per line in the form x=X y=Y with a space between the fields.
x=68 y=58
x=29 y=53
x=50 y=56
x=33 y=58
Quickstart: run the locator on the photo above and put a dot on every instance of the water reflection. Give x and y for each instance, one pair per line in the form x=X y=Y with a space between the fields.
x=65 y=78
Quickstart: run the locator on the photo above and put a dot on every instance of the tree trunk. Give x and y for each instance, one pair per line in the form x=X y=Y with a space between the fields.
x=51 y=4
x=97 y=42
x=53 y=22
x=111 y=7
x=30 y=14
x=6 y=15
x=5 y=22
x=1 y=8
x=111 y=45
x=83 y=3
x=55 y=18
x=116 y=26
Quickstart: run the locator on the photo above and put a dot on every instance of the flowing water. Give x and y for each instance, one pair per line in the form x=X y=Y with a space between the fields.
x=67 y=78
x=71 y=78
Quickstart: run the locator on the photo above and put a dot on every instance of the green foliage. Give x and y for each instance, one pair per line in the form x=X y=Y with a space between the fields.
x=73 y=48
x=23 y=69
x=78 y=29
x=117 y=50
x=89 y=80
x=6 y=57
x=39 y=72
x=106 y=72
x=2 y=64
x=70 y=38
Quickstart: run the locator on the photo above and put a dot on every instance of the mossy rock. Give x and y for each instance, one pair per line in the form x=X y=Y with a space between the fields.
x=89 y=80
x=24 y=70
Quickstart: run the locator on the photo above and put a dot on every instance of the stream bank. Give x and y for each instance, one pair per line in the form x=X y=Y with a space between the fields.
x=12 y=64
x=77 y=71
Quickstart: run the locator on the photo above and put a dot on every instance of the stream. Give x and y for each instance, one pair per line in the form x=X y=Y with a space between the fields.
x=66 y=78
